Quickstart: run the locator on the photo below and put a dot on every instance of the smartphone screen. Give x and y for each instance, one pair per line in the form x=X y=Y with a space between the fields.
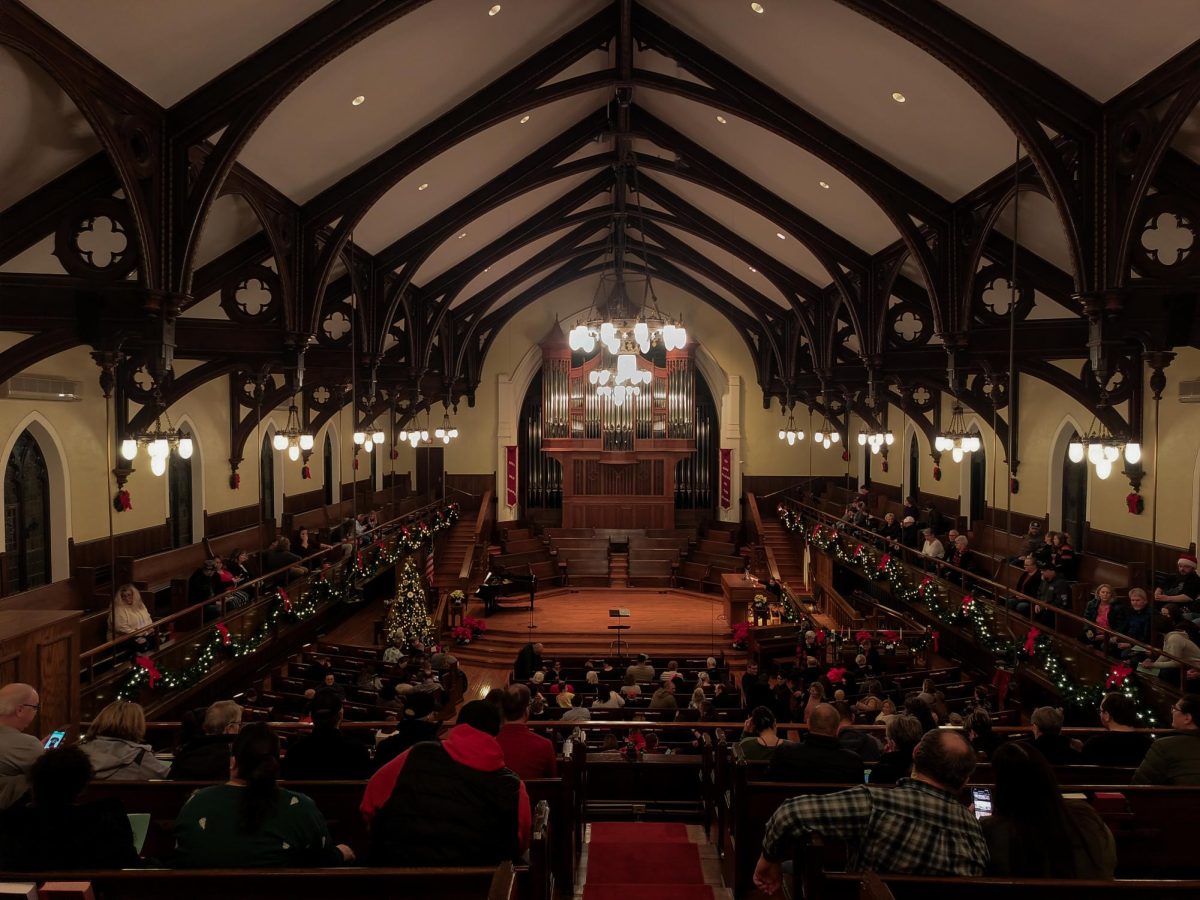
x=55 y=739
x=983 y=802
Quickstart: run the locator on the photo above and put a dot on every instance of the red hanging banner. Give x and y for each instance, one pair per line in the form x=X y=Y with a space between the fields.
x=726 y=476
x=510 y=475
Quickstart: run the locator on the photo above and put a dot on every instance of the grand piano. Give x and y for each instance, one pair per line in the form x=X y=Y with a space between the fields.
x=501 y=584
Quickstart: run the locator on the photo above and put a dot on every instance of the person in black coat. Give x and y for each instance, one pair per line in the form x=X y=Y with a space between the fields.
x=326 y=753
x=528 y=661
x=418 y=723
x=903 y=733
x=1120 y=745
x=820 y=758
x=206 y=756
x=1047 y=723
x=54 y=832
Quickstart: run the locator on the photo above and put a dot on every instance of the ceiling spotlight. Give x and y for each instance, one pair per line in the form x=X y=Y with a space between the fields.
x=781 y=235
x=462 y=235
x=898 y=97
x=422 y=185
x=752 y=269
x=758 y=8
x=524 y=119
x=722 y=120
x=824 y=184
x=358 y=101
x=495 y=9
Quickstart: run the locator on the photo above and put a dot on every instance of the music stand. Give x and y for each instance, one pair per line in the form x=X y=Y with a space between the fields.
x=618 y=614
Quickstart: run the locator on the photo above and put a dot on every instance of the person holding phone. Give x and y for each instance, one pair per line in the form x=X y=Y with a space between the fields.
x=1033 y=832
x=19 y=705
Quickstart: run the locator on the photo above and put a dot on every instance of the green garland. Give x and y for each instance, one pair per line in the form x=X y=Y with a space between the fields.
x=972 y=616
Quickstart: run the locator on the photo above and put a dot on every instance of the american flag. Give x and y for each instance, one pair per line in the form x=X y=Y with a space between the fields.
x=429 y=567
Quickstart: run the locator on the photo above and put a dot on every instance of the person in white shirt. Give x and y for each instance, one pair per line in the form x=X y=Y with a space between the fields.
x=609 y=699
x=933 y=547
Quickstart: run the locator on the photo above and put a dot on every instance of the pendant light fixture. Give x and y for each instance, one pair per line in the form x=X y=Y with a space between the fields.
x=159 y=441
x=293 y=438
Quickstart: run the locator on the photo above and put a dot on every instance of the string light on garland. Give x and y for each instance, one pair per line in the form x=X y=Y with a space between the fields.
x=408 y=619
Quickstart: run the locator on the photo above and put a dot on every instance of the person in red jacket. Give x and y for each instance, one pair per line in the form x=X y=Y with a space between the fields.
x=529 y=755
x=451 y=803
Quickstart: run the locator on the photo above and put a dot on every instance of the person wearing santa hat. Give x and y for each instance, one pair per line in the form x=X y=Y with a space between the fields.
x=1184 y=589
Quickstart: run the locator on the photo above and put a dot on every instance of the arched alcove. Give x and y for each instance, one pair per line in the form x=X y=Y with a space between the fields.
x=58 y=484
x=1057 y=468
x=194 y=501
x=270 y=476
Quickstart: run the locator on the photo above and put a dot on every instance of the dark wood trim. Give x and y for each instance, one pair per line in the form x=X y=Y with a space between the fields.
x=230 y=520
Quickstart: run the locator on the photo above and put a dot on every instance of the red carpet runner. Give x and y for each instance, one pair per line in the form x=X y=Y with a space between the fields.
x=625 y=856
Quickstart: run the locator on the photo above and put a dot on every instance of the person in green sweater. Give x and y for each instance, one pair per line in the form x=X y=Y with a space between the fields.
x=1175 y=759
x=250 y=822
x=760 y=740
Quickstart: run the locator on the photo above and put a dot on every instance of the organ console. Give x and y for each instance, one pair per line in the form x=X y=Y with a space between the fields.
x=618 y=456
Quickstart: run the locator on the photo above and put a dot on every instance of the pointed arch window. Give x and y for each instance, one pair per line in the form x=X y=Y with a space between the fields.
x=328 y=470
x=27 y=514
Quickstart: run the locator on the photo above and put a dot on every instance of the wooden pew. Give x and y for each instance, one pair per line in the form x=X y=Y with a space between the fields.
x=643 y=572
x=482 y=883
x=553 y=533
x=871 y=886
x=580 y=544
x=525 y=545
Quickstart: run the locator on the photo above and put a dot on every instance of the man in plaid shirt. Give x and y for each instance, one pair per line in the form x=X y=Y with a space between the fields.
x=919 y=827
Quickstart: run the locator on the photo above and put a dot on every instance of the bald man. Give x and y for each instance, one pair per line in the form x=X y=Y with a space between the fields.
x=19 y=705
x=819 y=758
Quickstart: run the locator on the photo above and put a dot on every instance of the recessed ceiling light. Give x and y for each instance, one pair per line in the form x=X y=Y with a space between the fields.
x=752 y=269
x=524 y=119
x=422 y=185
x=824 y=184
x=898 y=97
x=488 y=269
x=781 y=235
x=722 y=120
x=495 y=9
x=463 y=235
x=758 y=8
x=358 y=101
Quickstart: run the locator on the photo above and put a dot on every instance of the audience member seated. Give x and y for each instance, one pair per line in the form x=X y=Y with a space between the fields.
x=1033 y=832
x=54 y=833
x=862 y=743
x=671 y=673
x=1119 y=745
x=417 y=723
x=1183 y=589
x=819 y=758
x=206 y=757
x=529 y=660
x=963 y=557
x=641 y=670
x=1054 y=592
x=919 y=827
x=330 y=684
x=910 y=534
x=326 y=753
x=527 y=754
x=1046 y=724
x=451 y=803
x=226 y=583
x=307 y=546
x=890 y=529
x=114 y=744
x=1175 y=759
x=1045 y=551
x=911 y=510
x=607 y=698
x=235 y=565
x=575 y=710
x=870 y=704
x=280 y=556
x=1029 y=582
x=203 y=585
x=251 y=822
x=1107 y=612
x=130 y=618
x=1031 y=544
x=1062 y=555
x=664 y=697
x=978 y=725
x=1137 y=626
x=1180 y=641
x=919 y=707
x=19 y=705
x=902 y=734
x=759 y=739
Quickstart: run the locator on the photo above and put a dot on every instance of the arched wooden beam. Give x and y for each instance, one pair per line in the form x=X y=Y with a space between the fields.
x=32 y=350
x=241 y=432
x=180 y=387
x=1075 y=389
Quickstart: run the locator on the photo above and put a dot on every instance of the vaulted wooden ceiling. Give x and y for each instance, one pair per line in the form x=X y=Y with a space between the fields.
x=834 y=176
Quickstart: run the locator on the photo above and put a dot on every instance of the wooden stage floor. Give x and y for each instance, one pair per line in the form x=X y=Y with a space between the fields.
x=663 y=623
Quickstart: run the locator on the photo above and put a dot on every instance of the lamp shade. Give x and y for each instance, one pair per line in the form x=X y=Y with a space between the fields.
x=129 y=449
x=280 y=441
x=158 y=464
x=1133 y=454
x=306 y=441
x=377 y=436
x=1103 y=469
x=293 y=453
x=1075 y=452
x=956 y=454
x=368 y=446
x=359 y=437
x=185 y=448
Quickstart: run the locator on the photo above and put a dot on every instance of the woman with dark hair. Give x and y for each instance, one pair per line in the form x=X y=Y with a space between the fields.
x=921 y=711
x=760 y=740
x=251 y=822
x=1034 y=832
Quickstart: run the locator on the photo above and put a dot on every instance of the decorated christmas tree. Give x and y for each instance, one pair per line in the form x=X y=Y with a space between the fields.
x=408 y=619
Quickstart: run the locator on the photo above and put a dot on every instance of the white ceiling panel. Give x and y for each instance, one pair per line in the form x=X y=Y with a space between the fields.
x=168 y=48
x=230 y=221
x=512 y=261
x=408 y=78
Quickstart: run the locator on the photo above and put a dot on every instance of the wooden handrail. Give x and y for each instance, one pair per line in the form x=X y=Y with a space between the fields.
x=914 y=560
x=87 y=658
x=756 y=538
x=483 y=529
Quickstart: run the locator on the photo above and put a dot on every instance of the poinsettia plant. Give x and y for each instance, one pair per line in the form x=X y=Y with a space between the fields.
x=740 y=633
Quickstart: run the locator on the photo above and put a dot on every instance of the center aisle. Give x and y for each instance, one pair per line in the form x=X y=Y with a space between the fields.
x=623 y=858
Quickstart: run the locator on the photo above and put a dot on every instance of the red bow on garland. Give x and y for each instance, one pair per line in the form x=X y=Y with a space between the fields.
x=967 y=601
x=934 y=638
x=121 y=502
x=836 y=675
x=858 y=551
x=1117 y=676
x=224 y=632
x=926 y=581
x=152 y=673
x=306 y=473
x=890 y=637
x=235 y=481
x=862 y=636
x=883 y=562
x=821 y=635
x=1000 y=679
x=287 y=601
x=1032 y=636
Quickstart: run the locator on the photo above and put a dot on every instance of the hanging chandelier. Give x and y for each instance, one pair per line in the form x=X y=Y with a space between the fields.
x=293 y=438
x=415 y=435
x=447 y=432
x=159 y=442
x=876 y=439
x=1102 y=449
x=826 y=435
x=958 y=439
x=790 y=432
x=368 y=439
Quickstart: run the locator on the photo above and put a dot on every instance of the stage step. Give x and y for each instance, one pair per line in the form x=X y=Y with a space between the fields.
x=618 y=570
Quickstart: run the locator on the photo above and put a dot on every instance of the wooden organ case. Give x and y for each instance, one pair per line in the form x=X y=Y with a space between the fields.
x=618 y=460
